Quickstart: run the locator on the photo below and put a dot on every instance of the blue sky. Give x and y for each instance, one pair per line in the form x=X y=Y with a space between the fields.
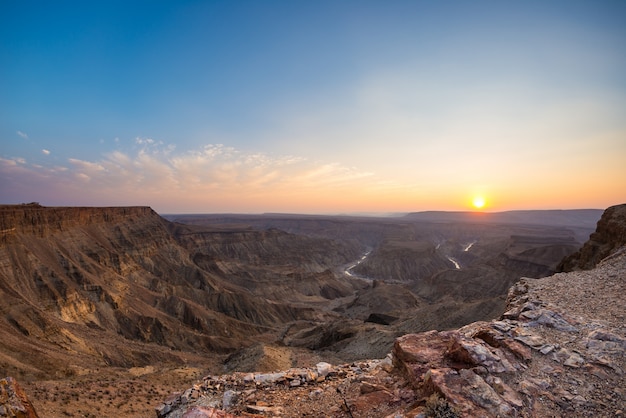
x=252 y=106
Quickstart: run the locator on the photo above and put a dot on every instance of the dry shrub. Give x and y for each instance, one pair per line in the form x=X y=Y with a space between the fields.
x=438 y=407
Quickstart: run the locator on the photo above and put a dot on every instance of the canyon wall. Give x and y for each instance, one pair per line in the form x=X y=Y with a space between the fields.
x=91 y=287
x=609 y=235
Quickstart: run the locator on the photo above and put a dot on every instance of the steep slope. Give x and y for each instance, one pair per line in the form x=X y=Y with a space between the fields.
x=271 y=263
x=105 y=298
x=610 y=234
x=112 y=286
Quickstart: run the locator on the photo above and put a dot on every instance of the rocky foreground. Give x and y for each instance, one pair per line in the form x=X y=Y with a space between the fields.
x=558 y=351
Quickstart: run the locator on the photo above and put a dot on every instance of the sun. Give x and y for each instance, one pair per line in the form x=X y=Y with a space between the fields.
x=478 y=202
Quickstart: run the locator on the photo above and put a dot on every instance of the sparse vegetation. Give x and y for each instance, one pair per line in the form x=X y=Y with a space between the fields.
x=438 y=407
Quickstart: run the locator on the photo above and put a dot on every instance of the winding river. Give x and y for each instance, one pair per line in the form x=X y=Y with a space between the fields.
x=349 y=267
x=348 y=270
x=468 y=246
x=456 y=263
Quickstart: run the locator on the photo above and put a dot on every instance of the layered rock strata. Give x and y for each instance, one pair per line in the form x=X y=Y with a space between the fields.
x=553 y=353
x=115 y=287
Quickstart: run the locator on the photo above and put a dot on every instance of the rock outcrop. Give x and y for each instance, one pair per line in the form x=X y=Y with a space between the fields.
x=610 y=234
x=552 y=353
x=13 y=400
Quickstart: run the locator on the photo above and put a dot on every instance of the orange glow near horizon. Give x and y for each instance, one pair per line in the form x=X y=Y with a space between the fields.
x=242 y=183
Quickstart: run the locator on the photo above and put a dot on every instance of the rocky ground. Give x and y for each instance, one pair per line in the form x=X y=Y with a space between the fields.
x=558 y=351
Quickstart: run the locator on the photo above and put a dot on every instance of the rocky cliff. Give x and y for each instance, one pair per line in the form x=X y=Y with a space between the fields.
x=558 y=351
x=609 y=235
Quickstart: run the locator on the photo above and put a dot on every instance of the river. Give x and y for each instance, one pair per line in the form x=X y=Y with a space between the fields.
x=348 y=270
x=456 y=263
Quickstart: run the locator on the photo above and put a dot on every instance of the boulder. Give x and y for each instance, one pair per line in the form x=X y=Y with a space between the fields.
x=13 y=400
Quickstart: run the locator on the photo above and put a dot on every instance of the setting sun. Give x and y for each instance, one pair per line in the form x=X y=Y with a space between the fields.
x=478 y=202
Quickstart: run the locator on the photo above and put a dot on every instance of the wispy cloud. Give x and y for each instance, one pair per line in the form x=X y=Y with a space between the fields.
x=215 y=177
x=22 y=134
x=45 y=151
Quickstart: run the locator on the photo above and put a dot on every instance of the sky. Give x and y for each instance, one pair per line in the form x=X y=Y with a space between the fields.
x=313 y=106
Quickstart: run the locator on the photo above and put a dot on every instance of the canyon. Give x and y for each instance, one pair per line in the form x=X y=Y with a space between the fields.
x=96 y=299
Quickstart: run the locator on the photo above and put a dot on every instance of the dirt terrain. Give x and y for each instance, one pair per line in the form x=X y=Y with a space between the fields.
x=125 y=301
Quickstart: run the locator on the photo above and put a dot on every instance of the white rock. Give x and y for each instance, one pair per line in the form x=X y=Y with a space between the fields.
x=324 y=369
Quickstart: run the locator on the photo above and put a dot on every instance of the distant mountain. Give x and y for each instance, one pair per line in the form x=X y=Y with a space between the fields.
x=586 y=218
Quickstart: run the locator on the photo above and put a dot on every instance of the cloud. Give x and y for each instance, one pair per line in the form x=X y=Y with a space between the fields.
x=212 y=178
x=22 y=134
x=86 y=166
x=147 y=141
x=6 y=163
x=45 y=151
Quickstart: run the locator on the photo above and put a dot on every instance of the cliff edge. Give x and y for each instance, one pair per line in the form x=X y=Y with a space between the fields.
x=41 y=221
x=609 y=235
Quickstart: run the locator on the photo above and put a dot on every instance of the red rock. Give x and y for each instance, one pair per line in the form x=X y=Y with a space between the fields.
x=484 y=395
x=426 y=347
x=450 y=385
x=508 y=394
x=13 y=400
x=475 y=352
x=206 y=412
x=367 y=387
x=469 y=394
x=418 y=353
x=380 y=397
x=519 y=350
x=260 y=409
